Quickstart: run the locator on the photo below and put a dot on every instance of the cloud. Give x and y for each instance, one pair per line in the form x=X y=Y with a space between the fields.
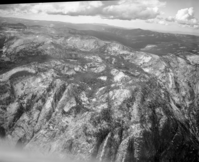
x=16 y=8
x=76 y=8
x=123 y=9
x=64 y=8
x=8 y=6
x=161 y=22
x=196 y=26
x=133 y=9
x=170 y=19
x=186 y=16
x=157 y=21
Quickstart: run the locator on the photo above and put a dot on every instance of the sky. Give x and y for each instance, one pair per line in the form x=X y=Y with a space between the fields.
x=178 y=16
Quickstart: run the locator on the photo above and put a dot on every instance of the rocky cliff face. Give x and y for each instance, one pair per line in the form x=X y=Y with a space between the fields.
x=98 y=99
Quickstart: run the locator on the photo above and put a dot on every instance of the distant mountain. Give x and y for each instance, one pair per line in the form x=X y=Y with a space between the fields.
x=135 y=38
x=14 y=26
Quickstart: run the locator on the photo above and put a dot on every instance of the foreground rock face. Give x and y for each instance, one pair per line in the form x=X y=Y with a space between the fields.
x=102 y=100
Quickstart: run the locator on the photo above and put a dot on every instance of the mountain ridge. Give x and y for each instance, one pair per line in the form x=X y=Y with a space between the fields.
x=97 y=24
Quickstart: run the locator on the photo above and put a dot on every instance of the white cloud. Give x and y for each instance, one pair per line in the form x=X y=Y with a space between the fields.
x=123 y=9
x=39 y=8
x=185 y=26
x=96 y=3
x=170 y=19
x=133 y=9
x=186 y=16
x=157 y=21
x=4 y=12
x=196 y=26
x=161 y=22
x=69 y=8
x=150 y=21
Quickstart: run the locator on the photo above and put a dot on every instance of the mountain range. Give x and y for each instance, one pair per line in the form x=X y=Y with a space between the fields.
x=99 y=92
